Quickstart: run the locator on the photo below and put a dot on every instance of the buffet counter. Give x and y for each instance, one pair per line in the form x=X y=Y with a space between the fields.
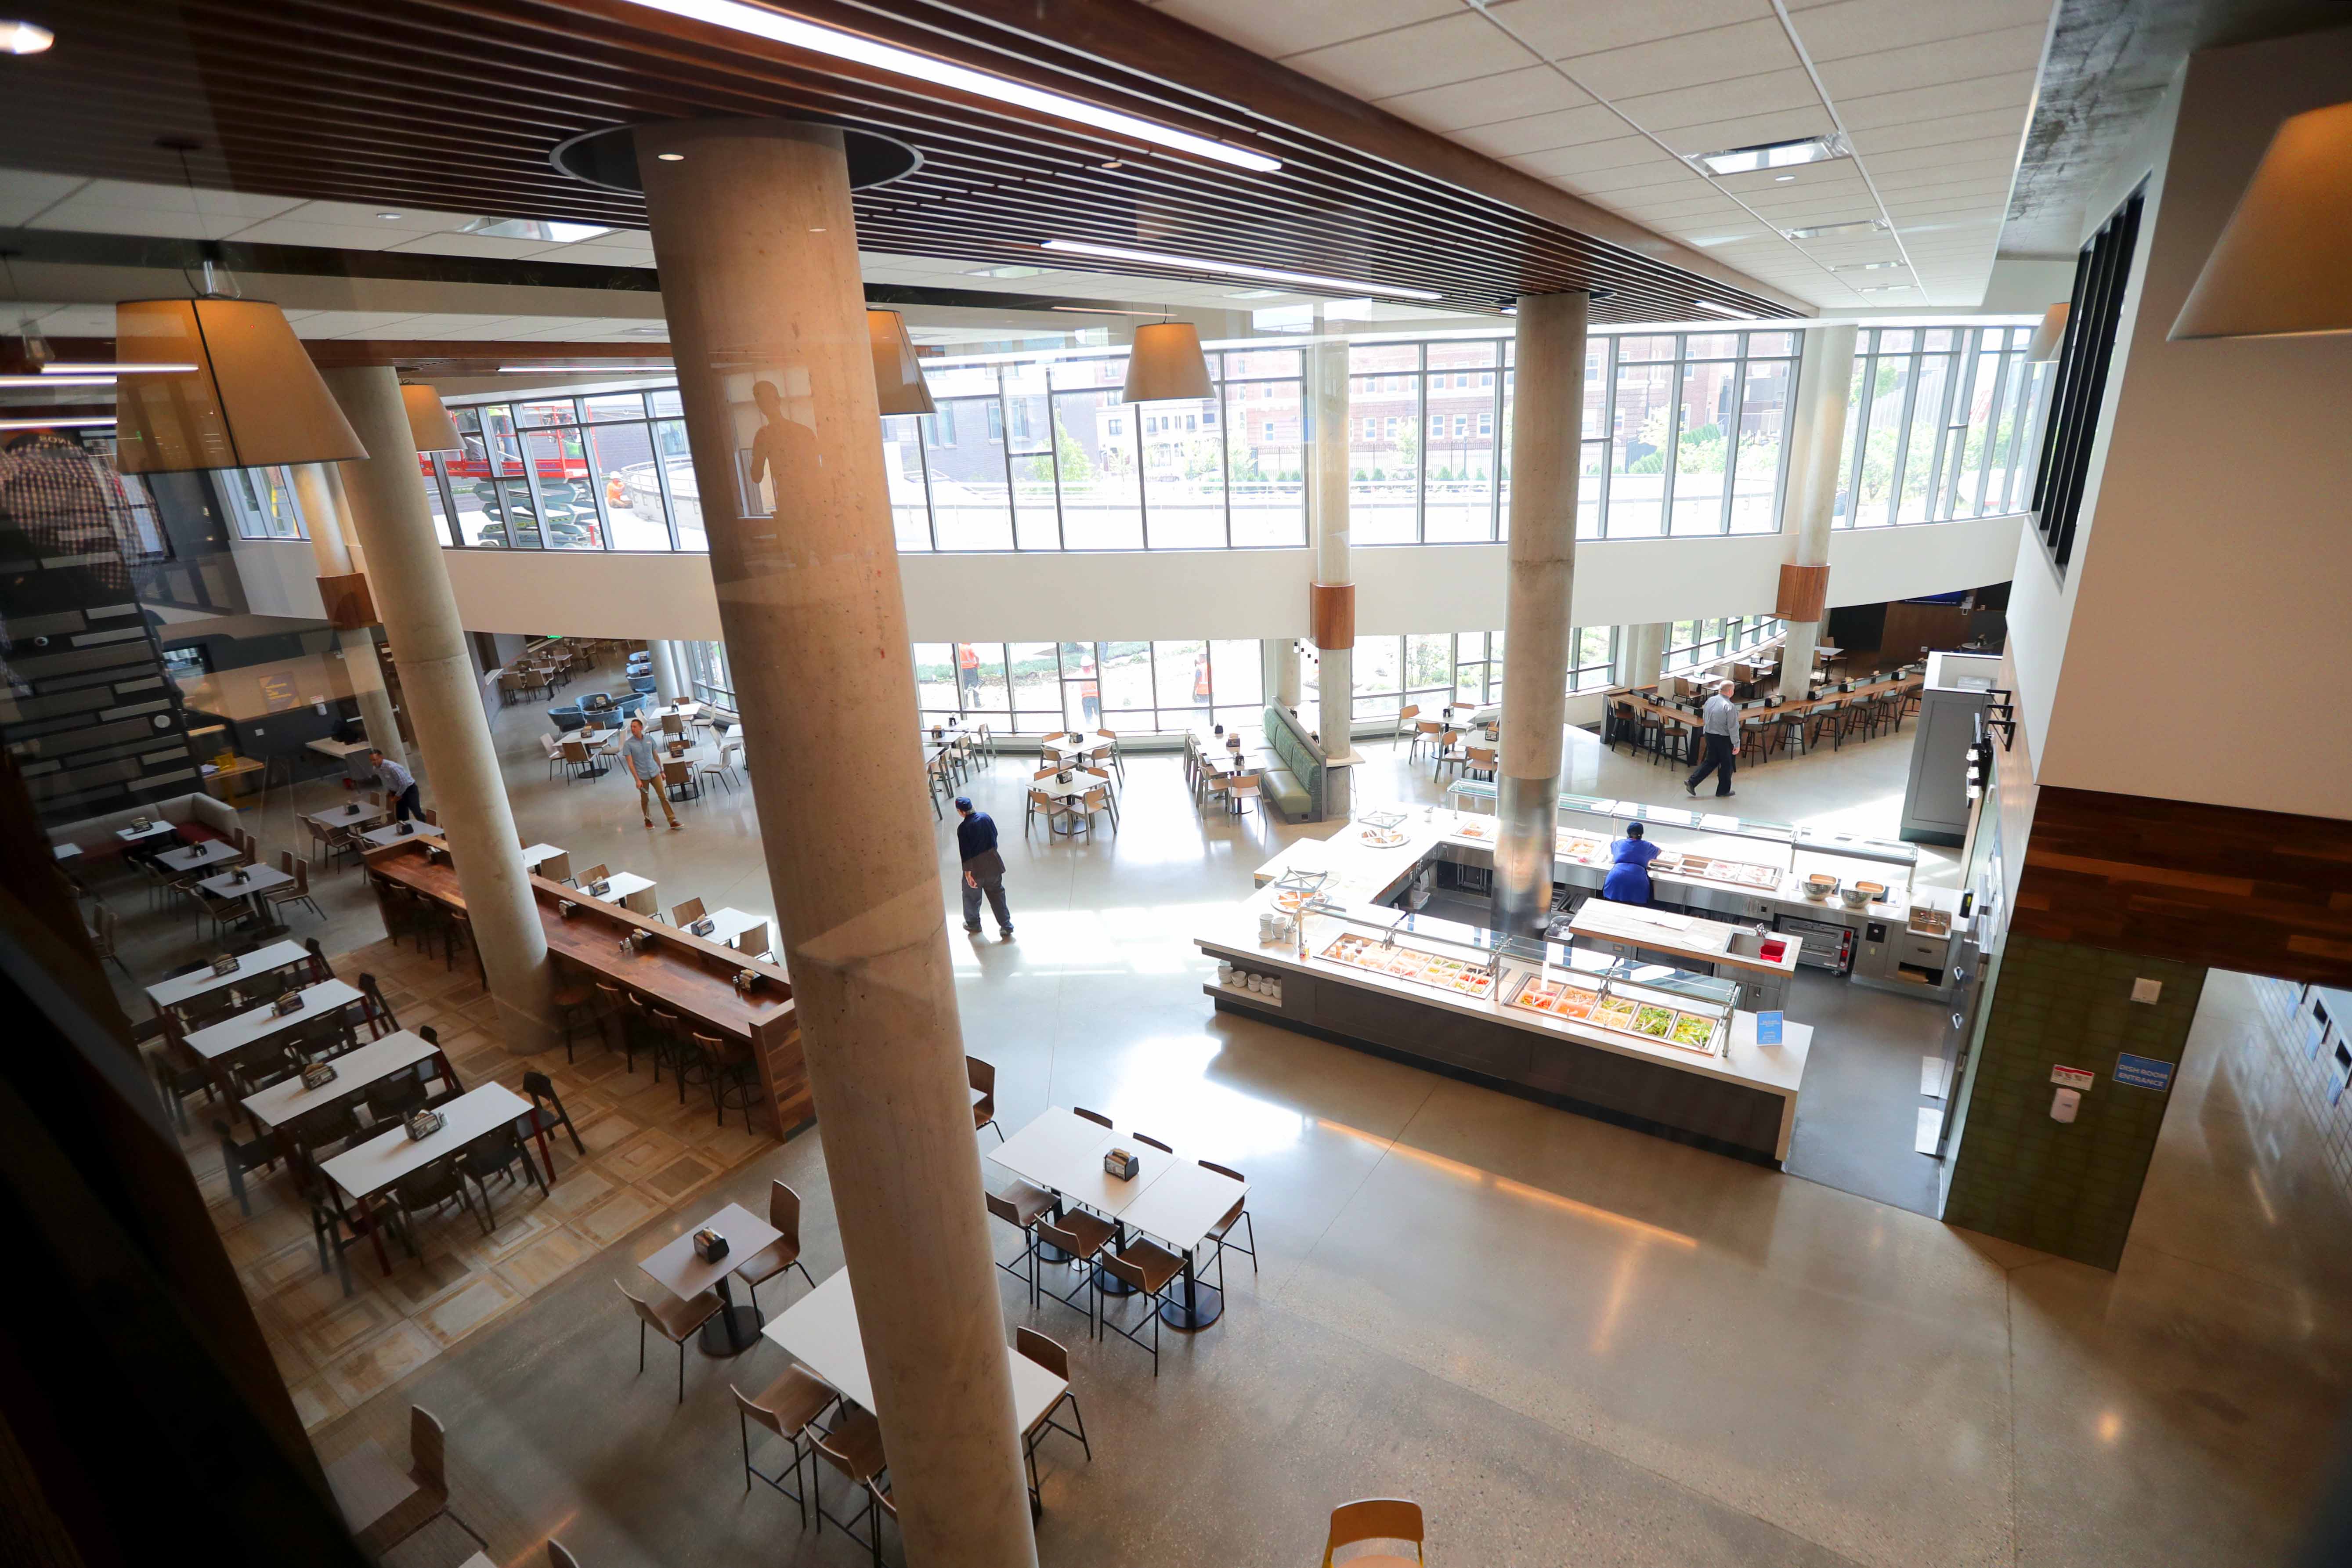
x=1644 y=1046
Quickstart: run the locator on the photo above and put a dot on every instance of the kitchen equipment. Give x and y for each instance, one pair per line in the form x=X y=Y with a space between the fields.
x=1819 y=885
x=1821 y=944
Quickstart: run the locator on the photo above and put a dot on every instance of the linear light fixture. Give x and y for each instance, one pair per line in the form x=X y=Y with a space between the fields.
x=1866 y=266
x=761 y=23
x=1714 y=309
x=110 y=368
x=72 y=422
x=25 y=38
x=1835 y=230
x=1773 y=155
x=1236 y=269
x=630 y=367
x=1106 y=310
x=57 y=381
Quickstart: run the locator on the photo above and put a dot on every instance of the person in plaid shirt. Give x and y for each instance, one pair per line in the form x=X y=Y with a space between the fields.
x=67 y=500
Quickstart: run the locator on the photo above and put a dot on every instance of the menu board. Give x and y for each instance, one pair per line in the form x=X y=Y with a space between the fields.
x=1413 y=963
x=1653 y=1022
x=1714 y=869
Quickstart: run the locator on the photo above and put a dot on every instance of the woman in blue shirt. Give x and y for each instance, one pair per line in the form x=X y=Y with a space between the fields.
x=1629 y=873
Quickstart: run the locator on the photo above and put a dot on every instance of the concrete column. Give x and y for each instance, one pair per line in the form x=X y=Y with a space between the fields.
x=1816 y=441
x=321 y=493
x=1328 y=502
x=1280 y=658
x=411 y=584
x=1646 y=652
x=757 y=246
x=1546 y=415
x=669 y=683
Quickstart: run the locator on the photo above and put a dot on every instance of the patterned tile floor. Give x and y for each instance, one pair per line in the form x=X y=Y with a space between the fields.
x=647 y=1153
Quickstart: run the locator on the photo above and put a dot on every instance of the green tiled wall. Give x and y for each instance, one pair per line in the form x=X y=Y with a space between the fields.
x=2070 y=1189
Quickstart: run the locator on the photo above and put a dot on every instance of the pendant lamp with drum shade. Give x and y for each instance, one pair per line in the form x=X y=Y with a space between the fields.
x=428 y=421
x=2050 y=334
x=2283 y=267
x=1165 y=362
x=254 y=399
x=897 y=371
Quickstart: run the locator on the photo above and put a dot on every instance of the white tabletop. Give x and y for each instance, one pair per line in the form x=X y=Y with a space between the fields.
x=683 y=710
x=1180 y=1207
x=726 y=925
x=187 y=987
x=283 y=1101
x=391 y=834
x=820 y=1330
x=538 y=852
x=687 y=1276
x=259 y=1023
x=1080 y=783
x=196 y=857
x=349 y=815
x=1064 y=1150
x=1079 y=745
x=258 y=879
x=65 y=851
x=376 y=1165
x=624 y=883
x=337 y=748
x=132 y=835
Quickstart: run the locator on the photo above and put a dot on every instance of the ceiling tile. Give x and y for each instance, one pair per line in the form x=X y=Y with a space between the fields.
x=1277 y=31
x=1661 y=113
x=2012 y=90
x=1749 y=130
x=1927 y=65
x=1660 y=174
x=23 y=194
x=1456 y=48
x=1694 y=59
x=1588 y=157
x=1974 y=152
x=470 y=245
x=1508 y=95
x=2006 y=124
x=1563 y=28
x=324 y=235
x=1539 y=133
x=1844 y=28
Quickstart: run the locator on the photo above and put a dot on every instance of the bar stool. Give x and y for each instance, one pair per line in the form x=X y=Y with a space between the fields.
x=788 y=1407
x=688 y=1062
x=578 y=1005
x=733 y=1085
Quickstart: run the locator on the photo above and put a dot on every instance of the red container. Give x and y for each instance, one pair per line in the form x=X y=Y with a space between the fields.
x=1772 y=948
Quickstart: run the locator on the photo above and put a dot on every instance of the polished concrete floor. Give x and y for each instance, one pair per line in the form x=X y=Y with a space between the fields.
x=1571 y=1342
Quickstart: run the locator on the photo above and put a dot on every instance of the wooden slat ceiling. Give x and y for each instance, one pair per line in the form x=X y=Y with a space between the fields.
x=456 y=104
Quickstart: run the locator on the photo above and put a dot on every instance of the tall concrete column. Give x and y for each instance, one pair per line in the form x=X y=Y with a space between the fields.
x=1548 y=411
x=1647 y=654
x=1279 y=656
x=670 y=679
x=1334 y=592
x=411 y=584
x=1816 y=441
x=321 y=494
x=757 y=244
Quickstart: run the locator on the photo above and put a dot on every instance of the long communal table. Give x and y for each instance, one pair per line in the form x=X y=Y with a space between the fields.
x=687 y=974
x=183 y=989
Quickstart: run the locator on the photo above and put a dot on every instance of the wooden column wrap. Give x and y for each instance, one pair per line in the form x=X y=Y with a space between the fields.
x=1333 y=608
x=349 y=605
x=1804 y=593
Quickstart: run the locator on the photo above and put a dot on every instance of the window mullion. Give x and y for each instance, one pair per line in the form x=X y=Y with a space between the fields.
x=1992 y=421
x=1867 y=396
x=1903 y=439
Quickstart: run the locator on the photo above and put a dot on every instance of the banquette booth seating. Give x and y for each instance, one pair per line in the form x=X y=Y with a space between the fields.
x=195 y=817
x=1291 y=776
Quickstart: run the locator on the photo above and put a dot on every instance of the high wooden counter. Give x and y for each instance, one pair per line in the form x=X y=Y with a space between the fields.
x=683 y=973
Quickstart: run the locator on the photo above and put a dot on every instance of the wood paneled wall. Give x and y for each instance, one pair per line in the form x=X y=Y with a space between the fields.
x=2254 y=890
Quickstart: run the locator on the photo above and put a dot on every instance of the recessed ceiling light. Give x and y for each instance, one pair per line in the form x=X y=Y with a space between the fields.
x=1887 y=289
x=1773 y=155
x=1712 y=309
x=1236 y=269
x=390 y=218
x=1782 y=179
x=648 y=331
x=553 y=232
x=671 y=157
x=1864 y=266
x=1003 y=271
x=1830 y=230
x=26 y=39
x=764 y=24
x=1256 y=294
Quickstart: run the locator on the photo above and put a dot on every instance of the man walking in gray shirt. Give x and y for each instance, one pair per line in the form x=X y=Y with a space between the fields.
x=643 y=762
x=1721 y=737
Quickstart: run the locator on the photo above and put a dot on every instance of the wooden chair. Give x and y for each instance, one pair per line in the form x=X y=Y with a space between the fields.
x=1039 y=801
x=1081 y=1237
x=1426 y=733
x=686 y=913
x=753 y=942
x=676 y=1321
x=1148 y=1269
x=1478 y=761
x=852 y=1446
x=784 y=1252
x=788 y=1407
x=734 y=1084
x=296 y=892
x=678 y=779
x=983 y=1077
x=1096 y=799
x=1050 y=1354
x=1242 y=792
x=236 y=1159
x=1375 y=1518
x=1406 y=715
x=1222 y=1232
x=427 y=1484
x=546 y=1114
x=576 y=760
x=1447 y=753
x=1022 y=1205
x=556 y=867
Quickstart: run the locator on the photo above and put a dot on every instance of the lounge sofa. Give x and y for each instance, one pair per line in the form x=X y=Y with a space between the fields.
x=197 y=817
x=607 y=707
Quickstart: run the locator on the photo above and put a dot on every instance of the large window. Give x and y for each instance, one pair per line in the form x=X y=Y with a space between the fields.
x=707 y=672
x=1431 y=670
x=1034 y=687
x=1935 y=425
x=2102 y=272
x=602 y=472
x=261 y=504
x=1692 y=643
x=1684 y=433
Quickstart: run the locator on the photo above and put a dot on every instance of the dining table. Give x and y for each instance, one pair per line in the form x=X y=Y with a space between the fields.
x=251 y=883
x=287 y=1101
x=625 y=889
x=364 y=1173
x=181 y=990
x=255 y=1024
x=196 y=857
x=349 y=814
x=1063 y=1153
x=685 y=1274
x=393 y=832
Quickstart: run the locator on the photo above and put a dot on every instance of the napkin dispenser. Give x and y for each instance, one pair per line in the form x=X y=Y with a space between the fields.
x=317 y=1074
x=226 y=963
x=708 y=1245
x=704 y=926
x=291 y=1002
x=1120 y=1162
x=141 y=823
x=406 y=828
x=598 y=889
x=422 y=1122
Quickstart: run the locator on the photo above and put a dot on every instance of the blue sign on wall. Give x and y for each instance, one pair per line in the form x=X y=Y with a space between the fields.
x=2142 y=1072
